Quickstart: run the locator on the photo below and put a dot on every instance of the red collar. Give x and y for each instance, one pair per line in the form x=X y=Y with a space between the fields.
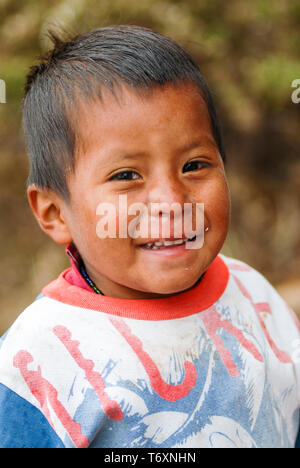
x=71 y=288
x=73 y=275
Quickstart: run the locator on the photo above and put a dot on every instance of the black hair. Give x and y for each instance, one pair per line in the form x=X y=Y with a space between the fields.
x=105 y=57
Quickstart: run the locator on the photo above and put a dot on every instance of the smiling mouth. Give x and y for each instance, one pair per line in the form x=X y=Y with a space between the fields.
x=163 y=244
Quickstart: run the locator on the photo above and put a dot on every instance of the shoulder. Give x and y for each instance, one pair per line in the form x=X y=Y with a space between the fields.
x=37 y=377
x=32 y=321
x=29 y=331
x=249 y=287
x=31 y=341
x=22 y=423
x=249 y=279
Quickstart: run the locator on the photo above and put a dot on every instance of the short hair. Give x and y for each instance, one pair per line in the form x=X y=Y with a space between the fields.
x=103 y=58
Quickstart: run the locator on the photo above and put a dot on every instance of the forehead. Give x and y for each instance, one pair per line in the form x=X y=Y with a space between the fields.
x=136 y=120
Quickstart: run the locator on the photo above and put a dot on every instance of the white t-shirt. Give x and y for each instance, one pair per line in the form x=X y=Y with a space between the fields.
x=215 y=366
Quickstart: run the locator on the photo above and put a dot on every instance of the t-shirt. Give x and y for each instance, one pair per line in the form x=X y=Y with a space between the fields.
x=214 y=366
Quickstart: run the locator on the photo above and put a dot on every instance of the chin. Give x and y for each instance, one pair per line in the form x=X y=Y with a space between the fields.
x=174 y=287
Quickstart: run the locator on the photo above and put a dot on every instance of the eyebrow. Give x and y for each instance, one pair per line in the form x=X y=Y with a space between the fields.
x=131 y=155
x=196 y=144
x=189 y=146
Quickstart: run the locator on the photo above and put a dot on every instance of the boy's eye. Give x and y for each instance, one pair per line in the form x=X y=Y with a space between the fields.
x=194 y=166
x=125 y=175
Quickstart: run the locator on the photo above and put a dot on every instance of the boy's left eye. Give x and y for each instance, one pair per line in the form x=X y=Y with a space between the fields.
x=194 y=166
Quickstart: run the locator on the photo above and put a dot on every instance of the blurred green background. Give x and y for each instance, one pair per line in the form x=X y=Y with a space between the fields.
x=249 y=52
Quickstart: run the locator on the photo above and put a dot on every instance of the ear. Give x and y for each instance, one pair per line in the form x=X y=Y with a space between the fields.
x=47 y=209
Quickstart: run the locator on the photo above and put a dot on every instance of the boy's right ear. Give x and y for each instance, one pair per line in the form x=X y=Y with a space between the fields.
x=47 y=209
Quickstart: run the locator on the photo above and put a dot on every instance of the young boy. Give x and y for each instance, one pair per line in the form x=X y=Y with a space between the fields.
x=150 y=340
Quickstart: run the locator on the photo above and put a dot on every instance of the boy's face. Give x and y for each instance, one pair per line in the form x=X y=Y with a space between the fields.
x=153 y=149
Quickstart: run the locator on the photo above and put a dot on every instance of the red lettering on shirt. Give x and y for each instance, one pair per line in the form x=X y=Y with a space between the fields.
x=164 y=390
x=46 y=394
x=263 y=307
x=213 y=322
x=111 y=407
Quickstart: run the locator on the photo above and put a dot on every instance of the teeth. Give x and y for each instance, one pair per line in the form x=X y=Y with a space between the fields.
x=176 y=242
x=158 y=244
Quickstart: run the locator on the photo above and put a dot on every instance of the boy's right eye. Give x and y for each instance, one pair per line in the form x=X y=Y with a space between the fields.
x=125 y=175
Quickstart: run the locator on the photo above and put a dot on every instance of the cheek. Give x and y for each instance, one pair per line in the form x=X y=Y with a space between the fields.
x=82 y=222
x=217 y=204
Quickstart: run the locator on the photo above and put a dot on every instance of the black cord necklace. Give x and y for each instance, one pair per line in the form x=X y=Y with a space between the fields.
x=88 y=279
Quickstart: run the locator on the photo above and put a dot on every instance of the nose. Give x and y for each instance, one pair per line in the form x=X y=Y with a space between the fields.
x=165 y=189
x=166 y=197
